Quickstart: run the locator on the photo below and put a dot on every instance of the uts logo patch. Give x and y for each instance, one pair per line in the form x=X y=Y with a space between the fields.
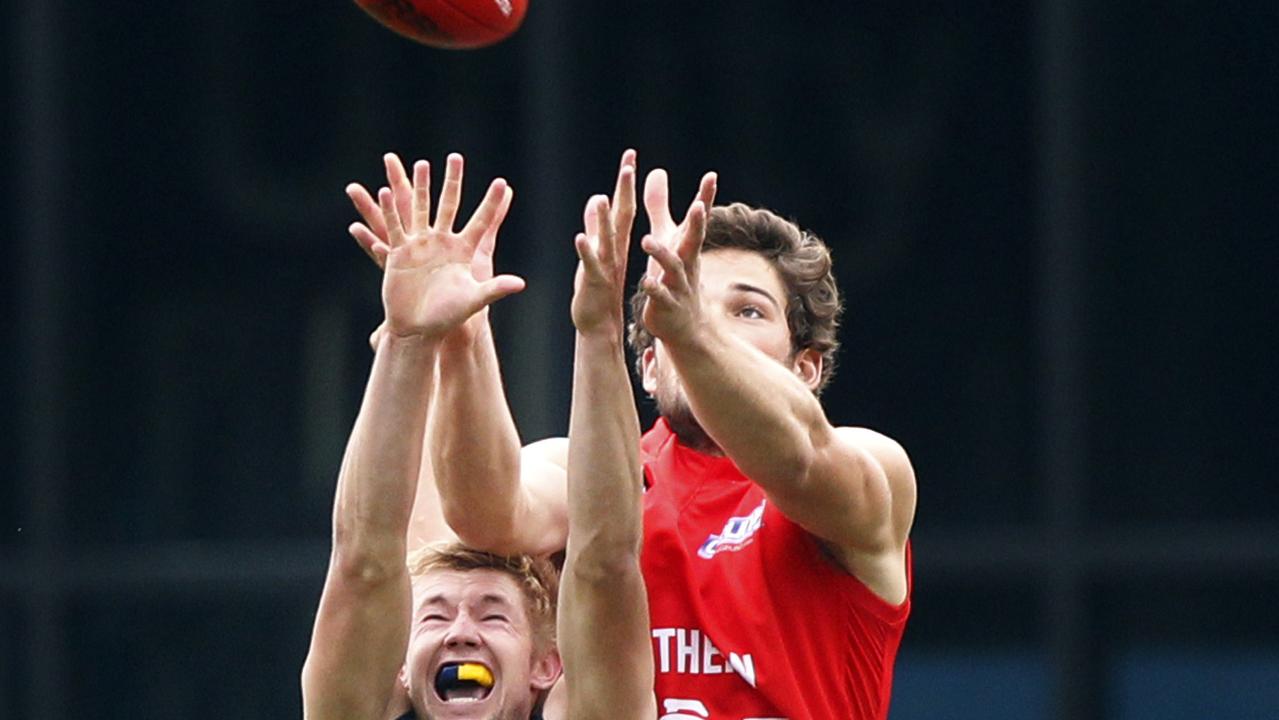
x=738 y=532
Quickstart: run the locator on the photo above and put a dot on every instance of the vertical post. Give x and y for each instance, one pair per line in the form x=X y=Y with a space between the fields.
x=42 y=310
x=1060 y=326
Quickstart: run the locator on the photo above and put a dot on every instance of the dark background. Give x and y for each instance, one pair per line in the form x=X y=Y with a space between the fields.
x=1055 y=224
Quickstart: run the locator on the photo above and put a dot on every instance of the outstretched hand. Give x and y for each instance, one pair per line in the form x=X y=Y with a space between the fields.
x=671 y=282
x=430 y=287
x=412 y=200
x=600 y=283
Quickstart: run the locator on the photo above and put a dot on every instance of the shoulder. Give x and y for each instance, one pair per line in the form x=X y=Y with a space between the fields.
x=891 y=458
x=887 y=452
x=552 y=450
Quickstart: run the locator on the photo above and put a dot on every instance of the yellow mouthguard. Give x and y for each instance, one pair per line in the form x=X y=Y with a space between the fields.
x=476 y=673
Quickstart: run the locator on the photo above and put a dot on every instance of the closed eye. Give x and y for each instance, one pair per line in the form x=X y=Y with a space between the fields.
x=434 y=617
x=495 y=618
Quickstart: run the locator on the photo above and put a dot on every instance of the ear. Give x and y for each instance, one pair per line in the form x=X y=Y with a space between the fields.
x=807 y=366
x=404 y=676
x=648 y=368
x=546 y=670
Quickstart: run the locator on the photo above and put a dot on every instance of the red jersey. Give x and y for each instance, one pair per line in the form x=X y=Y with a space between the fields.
x=750 y=619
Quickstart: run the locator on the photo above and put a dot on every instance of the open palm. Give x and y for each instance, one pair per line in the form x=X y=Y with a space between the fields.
x=671 y=281
x=430 y=286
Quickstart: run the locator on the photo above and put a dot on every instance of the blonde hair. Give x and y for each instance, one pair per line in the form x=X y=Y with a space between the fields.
x=536 y=578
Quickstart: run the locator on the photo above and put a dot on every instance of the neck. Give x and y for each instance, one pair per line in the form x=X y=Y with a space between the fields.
x=691 y=435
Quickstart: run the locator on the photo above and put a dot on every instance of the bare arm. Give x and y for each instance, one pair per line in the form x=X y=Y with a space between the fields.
x=839 y=483
x=362 y=625
x=852 y=488
x=603 y=616
x=495 y=495
x=426 y=523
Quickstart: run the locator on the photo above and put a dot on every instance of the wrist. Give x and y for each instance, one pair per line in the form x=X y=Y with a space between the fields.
x=696 y=339
x=466 y=336
x=692 y=337
x=410 y=343
x=602 y=335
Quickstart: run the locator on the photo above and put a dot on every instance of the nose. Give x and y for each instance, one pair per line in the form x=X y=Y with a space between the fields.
x=462 y=632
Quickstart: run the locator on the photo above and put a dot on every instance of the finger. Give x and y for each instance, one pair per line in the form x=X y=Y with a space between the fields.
x=673 y=275
x=705 y=195
x=624 y=205
x=451 y=195
x=367 y=207
x=394 y=230
x=591 y=215
x=689 y=246
x=657 y=202
x=484 y=215
x=657 y=293
x=421 y=195
x=604 y=222
x=488 y=241
x=587 y=254
x=371 y=244
x=624 y=189
x=707 y=189
x=398 y=180
x=499 y=287
x=651 y=268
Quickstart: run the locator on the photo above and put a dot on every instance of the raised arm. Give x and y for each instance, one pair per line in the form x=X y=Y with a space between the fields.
x=603 y=613
x=851 y=487
x=495 y=495
x=362 y=624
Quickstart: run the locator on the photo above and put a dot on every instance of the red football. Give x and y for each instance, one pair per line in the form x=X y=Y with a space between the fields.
x=449 y=23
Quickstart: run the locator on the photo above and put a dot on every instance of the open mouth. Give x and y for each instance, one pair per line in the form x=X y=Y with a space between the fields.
x=463 y=682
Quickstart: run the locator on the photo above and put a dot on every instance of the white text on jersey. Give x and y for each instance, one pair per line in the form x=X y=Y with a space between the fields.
x=682 y=650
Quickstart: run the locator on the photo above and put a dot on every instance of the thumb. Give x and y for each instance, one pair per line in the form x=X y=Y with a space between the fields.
x=497 y=288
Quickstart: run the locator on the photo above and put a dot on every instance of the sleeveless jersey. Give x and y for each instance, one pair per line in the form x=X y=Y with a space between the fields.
x=750 y=618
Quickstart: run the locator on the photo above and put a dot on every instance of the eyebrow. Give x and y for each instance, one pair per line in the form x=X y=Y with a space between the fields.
x=486 y=599
x=748 y=288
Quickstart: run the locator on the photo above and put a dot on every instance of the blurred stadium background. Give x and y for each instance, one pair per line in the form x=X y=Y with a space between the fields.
x=1055 y=223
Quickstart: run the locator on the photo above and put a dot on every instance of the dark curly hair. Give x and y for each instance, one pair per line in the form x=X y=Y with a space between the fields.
x=803 y=261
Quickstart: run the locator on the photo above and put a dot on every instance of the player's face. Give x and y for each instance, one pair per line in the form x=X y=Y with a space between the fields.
x=474 y=617
x=743 y=295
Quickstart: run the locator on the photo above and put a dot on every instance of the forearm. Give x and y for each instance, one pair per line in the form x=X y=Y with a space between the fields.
x=603 y=617
x=427 y=523
x=379 y=470
x=756 y=410
x=605 y=482
x=474 y=446
x=362 y=624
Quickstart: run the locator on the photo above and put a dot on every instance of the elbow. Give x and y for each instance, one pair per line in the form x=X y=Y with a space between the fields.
x=365 y=562
x=483 y=531
x=600 y=561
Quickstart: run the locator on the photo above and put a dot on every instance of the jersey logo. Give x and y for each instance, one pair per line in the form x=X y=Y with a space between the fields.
x=738 y=532
x=677 y=709
x=680 y=709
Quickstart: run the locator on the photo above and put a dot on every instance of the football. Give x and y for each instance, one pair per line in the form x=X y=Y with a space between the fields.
x=452 y=24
